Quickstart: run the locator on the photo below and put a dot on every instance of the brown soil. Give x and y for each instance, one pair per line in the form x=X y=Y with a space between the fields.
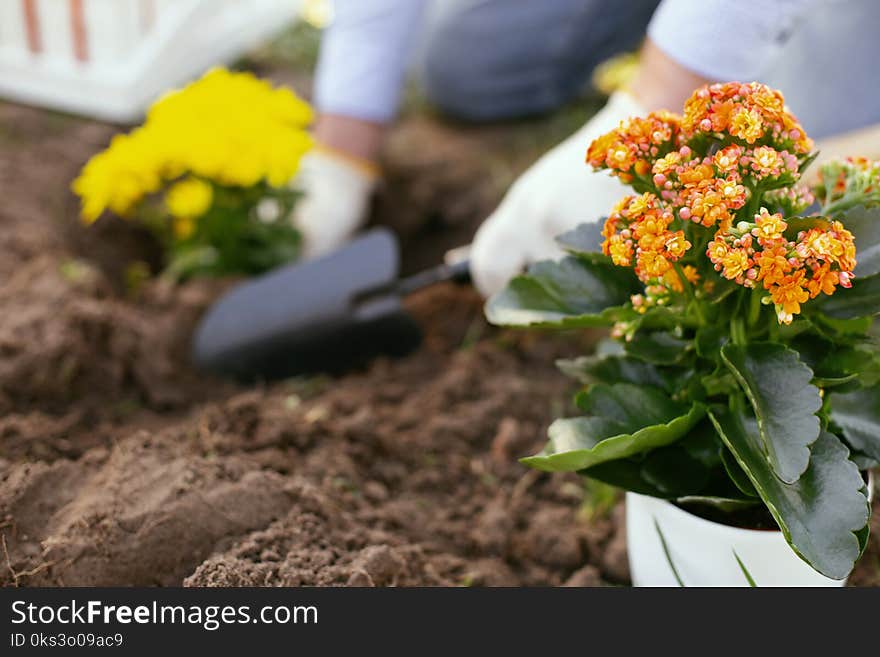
x=120 y=465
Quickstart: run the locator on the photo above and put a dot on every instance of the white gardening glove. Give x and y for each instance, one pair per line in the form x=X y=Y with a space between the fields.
x=337 y=191
x=556 y=194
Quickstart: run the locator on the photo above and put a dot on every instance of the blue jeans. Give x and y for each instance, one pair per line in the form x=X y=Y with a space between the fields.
x=493 y=59
x=496 y=59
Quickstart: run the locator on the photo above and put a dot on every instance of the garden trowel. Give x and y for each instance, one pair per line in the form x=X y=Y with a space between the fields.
x=325 y=315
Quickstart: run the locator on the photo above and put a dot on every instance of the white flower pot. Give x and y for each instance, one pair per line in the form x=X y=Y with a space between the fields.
x=703 y=551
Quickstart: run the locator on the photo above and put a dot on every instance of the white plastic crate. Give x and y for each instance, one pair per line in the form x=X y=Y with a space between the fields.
x=111 y=58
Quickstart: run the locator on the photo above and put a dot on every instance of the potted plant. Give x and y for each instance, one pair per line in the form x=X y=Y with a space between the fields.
x=208 y=174
x=737 y=398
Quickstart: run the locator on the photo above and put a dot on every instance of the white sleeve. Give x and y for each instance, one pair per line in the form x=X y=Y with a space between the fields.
x=364 y=55
x=725 y=39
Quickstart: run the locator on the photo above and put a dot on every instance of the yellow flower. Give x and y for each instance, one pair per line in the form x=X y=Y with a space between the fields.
x=189 y=198
x=183 y=227
x=227 y=128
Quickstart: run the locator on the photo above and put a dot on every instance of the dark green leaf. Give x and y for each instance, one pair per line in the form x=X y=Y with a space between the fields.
x=703 y=444
x=709 y=340
x=658 y=347
x=864 y=224
x=739 y=478
x=726 y=504
x=864 y=461
x=587 y=238
x=625 y=420
x=824 y=382
x=623 y=473
x=612 y=369
x=778 y=385
x=630 y=474
x=674 y=471
x=861 y=300
x=820 y=515
x=835 y=364
x=719 y=382
x=857 y=414
x=834 y=328
x=569 y=293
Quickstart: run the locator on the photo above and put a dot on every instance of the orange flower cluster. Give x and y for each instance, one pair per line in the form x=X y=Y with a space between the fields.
x=637 y=233
x=751 y=113
x=631 y=147
x=707 y=191
x=710 y=190
x=735 y=147
x=758 y=252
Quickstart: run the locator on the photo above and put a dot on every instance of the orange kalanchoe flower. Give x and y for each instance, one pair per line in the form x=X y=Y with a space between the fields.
x=822 y=258
x=768 y=226
x=750 y=112
x=702 y=171
x=639 y=227
x=823 y=281
x=772 y=264
x=788 y=295
x=635 y=144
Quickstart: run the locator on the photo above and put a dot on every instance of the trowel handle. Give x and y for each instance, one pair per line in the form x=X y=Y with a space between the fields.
x=457 y=272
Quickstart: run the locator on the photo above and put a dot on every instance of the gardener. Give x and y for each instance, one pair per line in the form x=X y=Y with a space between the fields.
x=495 y=59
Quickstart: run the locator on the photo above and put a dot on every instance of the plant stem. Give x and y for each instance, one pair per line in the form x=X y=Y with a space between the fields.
x=689 y=293
x=754 y=307
x=754 y=203
x=774 y=330
x=738 y=331
x=843 y=203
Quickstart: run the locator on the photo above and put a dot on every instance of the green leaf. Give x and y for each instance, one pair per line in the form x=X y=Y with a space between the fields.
x=864 y=224
x=739 y=478
x=834 y=328
x=726 y=504
x=861 y=300
x=822 y=514
x=745 y=571
x=674 y=472
x=612 y=369
x=587 y=238
x=630 y=474
x=778 y=385
x=623 y=473
x=625 y=420
x=864 y=461
x=569 y=293
x=857 y=414
x=709 y=340
x=658 y=347
x=836 y=364
x=666 y=553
